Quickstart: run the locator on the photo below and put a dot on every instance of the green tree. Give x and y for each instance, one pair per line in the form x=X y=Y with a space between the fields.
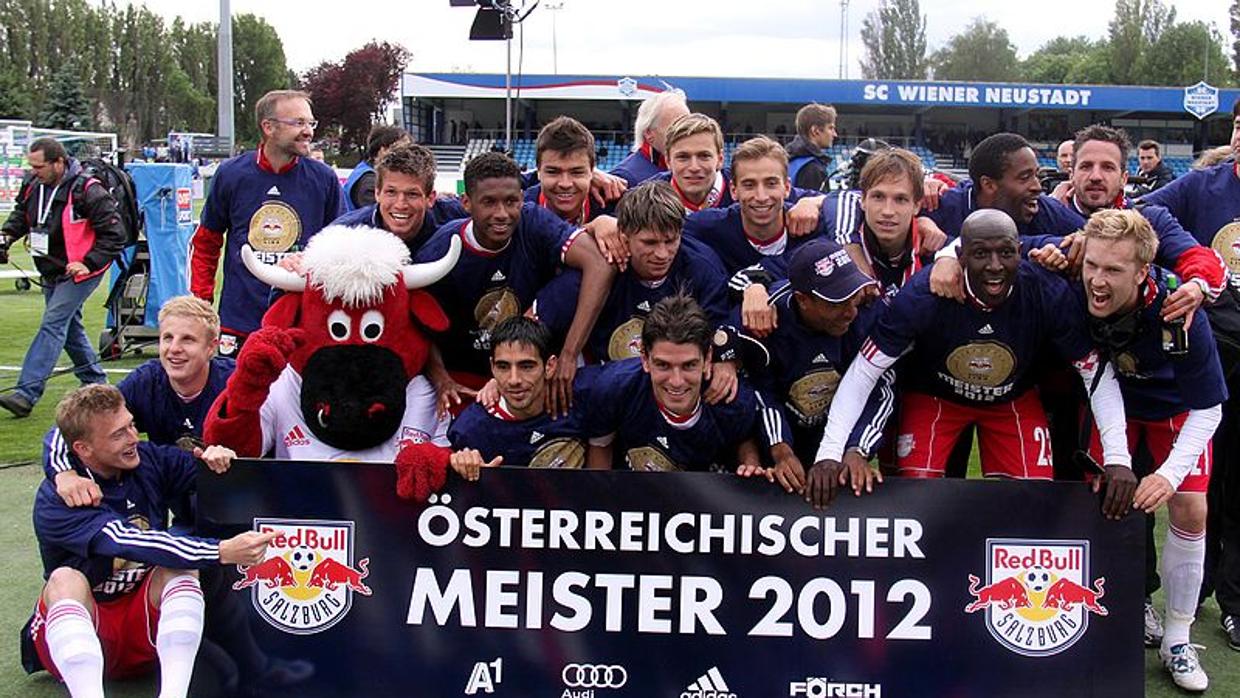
x=66 y=107
x=1055 y=60
x=1185 y=53
x=982 y=51
x=1235 y=34
x=894 y=37
x=258 y=67
x=16 y=102
x=1135 y=27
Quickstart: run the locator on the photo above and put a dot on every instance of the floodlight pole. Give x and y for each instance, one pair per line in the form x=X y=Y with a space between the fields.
x=508 y=99
x=843 y=39
x=224 y=78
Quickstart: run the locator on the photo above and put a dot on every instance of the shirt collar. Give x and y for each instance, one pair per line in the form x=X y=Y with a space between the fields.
x=265 y=164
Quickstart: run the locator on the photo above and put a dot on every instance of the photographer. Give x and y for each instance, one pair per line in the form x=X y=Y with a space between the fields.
x=74 y=233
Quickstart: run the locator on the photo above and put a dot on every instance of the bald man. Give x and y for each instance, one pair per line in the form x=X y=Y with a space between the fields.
x=1063 y=155
x=974 y=365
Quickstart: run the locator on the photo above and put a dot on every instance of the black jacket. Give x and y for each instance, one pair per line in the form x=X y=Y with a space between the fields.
x=95 y=244
x=1159 y=177
x=813 y=174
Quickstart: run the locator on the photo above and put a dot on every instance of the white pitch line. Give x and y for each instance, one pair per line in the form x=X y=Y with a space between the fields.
x=68 y=368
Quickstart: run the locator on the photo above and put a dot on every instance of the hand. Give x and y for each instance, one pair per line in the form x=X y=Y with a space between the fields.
x=1183 y=303
x=77 y=491
x=788 y=471
x=946 y=279
x=292 y=262
x=932 y=236
x=606 y=187
x=613 y=245
x=823 y=482
x=1074 y=243
x=932 y=187
x=450 y=394
x=266 y=353
x=76 y=269
x=1120 y=483
x=560 y=396
x=860 y=474
x=752 y=469
x=468 y=463
x=218 y=458
x=723 y=382
x=1050 y=256
x=1063 y=192
x=757 y=315
x=249 y=548
x=4 y=249
x=1153 y=492
x=803 y=216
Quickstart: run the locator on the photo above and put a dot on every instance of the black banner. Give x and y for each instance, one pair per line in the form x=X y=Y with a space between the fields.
x=577 y=584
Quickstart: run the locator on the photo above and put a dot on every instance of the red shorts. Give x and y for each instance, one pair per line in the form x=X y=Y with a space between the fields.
x=1014 y=438
x=126 y=629
x=1159 y=437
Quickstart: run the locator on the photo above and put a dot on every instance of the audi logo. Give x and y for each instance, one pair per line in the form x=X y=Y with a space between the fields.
x=594 y=676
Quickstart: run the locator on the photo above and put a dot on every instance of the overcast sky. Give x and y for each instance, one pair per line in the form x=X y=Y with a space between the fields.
x=797 y=38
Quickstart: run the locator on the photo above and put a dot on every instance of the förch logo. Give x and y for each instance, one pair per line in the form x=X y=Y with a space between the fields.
x=1038 y=594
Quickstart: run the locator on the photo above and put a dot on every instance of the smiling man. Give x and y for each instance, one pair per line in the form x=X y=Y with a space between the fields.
x=975 y=365
x=274 y=199
x=406 y=204
x=565 y=156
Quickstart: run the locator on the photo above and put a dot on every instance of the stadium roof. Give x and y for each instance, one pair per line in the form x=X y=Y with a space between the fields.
x=1172 y=100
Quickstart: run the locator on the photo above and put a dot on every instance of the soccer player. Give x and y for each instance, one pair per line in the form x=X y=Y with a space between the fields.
x=359 y=188
x=695 y=161
x=274 y=199
x=654 y=116
x=1173 y=403
x=517 y=429
x=511 y=250
x=825 y=312
x=565 y=156
x=649 y=413
x=122 y=594
x=406 y=204
x=974 y=365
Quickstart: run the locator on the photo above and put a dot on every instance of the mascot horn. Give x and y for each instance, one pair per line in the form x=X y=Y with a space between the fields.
x=334 y=371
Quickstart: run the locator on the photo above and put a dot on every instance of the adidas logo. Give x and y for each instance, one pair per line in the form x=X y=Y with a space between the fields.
x=709 y=685
x=986 y=329
x=662 y=441
x=498 y=276
x=188 y=425
x=535 y=437
x=296 y=437
x=273 y=191
x=129 y=504
x=821 y=359
x=644 y=306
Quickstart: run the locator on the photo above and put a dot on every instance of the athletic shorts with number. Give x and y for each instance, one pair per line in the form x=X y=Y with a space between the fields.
x=1013 y=436
x=126 y=627
x=1159 y=437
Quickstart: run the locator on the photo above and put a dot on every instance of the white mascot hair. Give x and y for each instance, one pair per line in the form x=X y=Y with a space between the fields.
x=354 y=265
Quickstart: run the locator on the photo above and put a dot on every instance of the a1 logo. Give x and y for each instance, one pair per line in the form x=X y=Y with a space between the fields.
x=485 y=677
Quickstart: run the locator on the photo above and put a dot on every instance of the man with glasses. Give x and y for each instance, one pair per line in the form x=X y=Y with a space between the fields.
x=274 y=199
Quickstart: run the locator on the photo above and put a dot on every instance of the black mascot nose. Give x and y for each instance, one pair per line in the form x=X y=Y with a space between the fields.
x=353 y=396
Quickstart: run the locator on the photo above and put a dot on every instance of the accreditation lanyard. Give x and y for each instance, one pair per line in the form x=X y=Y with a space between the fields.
x=39 y=235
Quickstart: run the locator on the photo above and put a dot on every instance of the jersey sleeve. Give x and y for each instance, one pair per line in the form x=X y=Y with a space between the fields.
x=867 y=433
x=1199 y=376
x=710 y=285
x=550 y=235
x=55 y=454
x=607 y=395
x=556 y=303
x=178 y=469
x=746 y=417
x=208 y=239
x=1069 y=329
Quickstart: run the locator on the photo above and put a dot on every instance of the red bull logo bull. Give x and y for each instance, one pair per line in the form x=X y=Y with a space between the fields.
x=1038 y=595
x=306 y=583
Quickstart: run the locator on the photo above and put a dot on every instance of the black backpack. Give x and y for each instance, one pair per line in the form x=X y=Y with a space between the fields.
x=120 y=184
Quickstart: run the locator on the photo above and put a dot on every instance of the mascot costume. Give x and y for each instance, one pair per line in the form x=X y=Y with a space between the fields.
x=333 y=373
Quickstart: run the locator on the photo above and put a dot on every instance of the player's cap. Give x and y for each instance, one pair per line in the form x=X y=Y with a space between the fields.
x=822 y=268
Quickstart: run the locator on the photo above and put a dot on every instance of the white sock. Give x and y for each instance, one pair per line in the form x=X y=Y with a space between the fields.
x=1183 y=564
x=75 y=648
x=178 y=634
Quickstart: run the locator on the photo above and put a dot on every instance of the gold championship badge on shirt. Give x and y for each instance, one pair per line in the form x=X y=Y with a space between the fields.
x=984 y=364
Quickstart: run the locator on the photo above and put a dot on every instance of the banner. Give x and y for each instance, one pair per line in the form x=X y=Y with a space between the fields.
x=583 y=584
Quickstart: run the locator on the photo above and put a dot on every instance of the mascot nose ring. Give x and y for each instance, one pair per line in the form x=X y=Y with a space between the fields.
x=324 y=412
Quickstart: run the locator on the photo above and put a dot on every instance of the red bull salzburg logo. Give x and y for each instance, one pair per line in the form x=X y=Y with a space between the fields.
x=1038 y=595
x=306 y=583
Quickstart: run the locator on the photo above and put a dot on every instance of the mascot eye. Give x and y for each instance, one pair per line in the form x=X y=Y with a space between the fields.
x=338 y=325
x=372 y=325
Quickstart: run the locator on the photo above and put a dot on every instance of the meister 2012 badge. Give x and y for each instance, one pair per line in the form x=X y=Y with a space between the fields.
x=1038 y=594
x=306 y=583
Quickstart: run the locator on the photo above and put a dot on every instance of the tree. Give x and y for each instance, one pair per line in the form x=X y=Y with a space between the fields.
x=1235 y=33
x=982 y=52
x=894 y=37
x=1137 y=25
x=1057 y=59
x=258 y=67
x=352 y=95
x=65 y=107
x=1185 y=53
x=16 y=102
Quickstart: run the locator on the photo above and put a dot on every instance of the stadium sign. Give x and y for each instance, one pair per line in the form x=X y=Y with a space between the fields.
x=1200 y=100
x=580 y=583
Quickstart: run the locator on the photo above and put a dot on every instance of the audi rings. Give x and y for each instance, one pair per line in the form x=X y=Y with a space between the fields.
x=594 y=676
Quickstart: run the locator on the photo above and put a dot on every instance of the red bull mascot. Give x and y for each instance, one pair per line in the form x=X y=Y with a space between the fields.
x=334 y=370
